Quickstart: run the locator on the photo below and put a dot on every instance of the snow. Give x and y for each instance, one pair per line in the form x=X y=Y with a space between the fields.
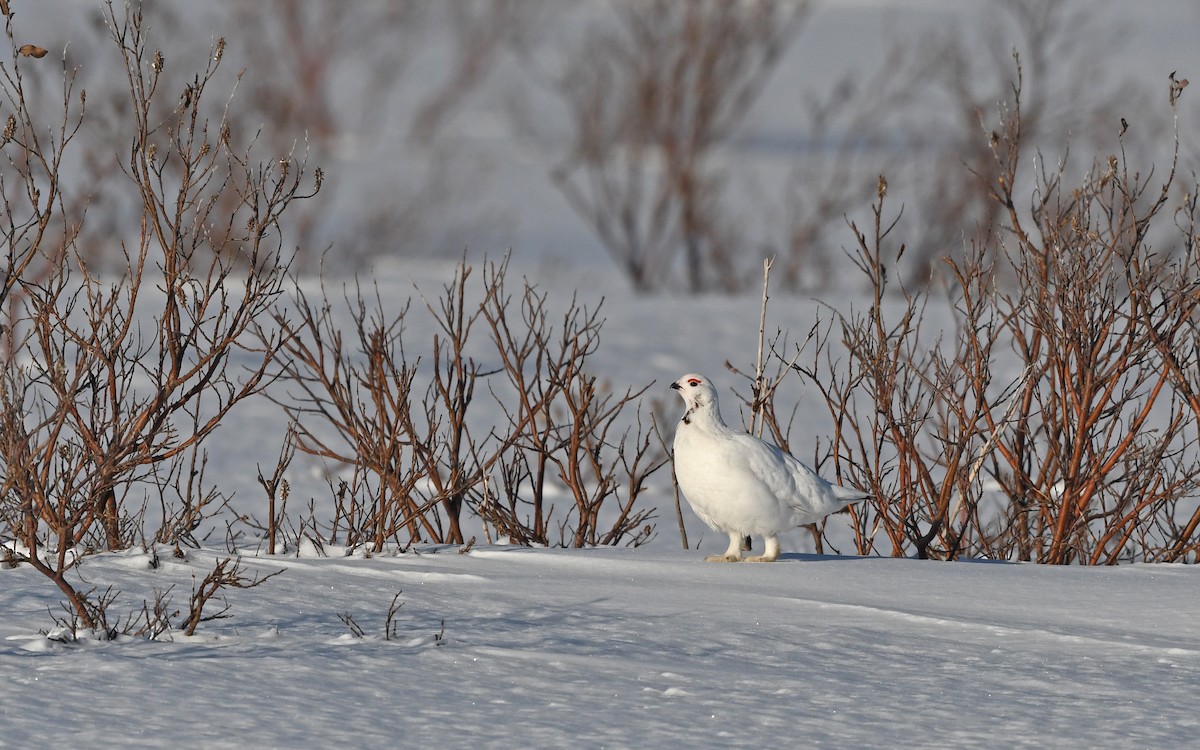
x=618 y=648
x=621 y=648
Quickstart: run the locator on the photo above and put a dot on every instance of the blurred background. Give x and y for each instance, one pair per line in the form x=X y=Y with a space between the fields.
x=672 y=144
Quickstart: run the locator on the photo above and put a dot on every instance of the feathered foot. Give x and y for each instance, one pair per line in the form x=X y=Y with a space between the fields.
x=770 y=554
x=734 y=553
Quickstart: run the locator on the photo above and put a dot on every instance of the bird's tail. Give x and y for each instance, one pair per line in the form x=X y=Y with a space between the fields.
x=849 y=495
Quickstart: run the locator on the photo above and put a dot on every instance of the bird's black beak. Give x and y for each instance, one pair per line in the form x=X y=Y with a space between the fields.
x=676 y=386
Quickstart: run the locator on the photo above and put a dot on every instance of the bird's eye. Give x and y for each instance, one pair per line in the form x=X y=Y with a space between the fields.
x=693 y=382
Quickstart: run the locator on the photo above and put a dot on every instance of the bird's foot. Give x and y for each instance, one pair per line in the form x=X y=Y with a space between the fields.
x=723 y=558
x=761 y=558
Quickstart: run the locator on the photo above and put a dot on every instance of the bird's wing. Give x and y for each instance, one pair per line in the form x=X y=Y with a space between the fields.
x=792 y=482
x=776 y=469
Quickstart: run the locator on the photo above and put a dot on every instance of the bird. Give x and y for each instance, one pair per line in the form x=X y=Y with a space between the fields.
x=742 y=485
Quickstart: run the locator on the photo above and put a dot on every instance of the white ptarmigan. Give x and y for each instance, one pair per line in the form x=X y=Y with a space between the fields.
x=741 y=485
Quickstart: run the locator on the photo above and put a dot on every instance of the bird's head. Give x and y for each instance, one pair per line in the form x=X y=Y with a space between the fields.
x=697 y=392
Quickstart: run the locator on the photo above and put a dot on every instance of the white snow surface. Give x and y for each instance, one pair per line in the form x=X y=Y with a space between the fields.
x=611 y=648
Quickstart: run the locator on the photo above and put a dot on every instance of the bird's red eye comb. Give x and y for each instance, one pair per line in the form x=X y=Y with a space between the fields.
x=693 y=381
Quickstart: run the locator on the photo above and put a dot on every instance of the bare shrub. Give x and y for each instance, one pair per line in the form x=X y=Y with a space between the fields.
x=564 y=428
x=906 y=405
x=111 y=385
x=356 y=405
x=418 y=460
x=226 y=573
x=390 y=626
x=1083 y=450
x=1116 y=442
x=160 y=619
x=155 y=619
x=278 y=489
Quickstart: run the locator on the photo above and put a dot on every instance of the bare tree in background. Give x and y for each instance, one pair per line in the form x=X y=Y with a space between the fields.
x=334 y=72
x=650 y=100
x=834 y=171
x=654 y=97
x=917 y=118
x=479 y=30
x=323 y=69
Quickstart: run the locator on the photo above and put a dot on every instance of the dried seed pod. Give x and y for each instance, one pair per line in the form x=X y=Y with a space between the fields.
x=1177 y=87
x=32 y=50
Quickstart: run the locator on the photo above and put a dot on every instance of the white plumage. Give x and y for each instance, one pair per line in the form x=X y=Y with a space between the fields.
x=739 y=484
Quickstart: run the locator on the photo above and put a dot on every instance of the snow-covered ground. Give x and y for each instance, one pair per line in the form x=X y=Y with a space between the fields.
x=621 y=648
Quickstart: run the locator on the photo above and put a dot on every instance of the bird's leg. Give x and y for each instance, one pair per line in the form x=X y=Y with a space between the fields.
x=733 y=554
x=770 y=552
